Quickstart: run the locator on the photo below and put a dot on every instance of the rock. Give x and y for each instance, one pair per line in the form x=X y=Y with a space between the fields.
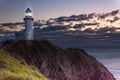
x=59 y=64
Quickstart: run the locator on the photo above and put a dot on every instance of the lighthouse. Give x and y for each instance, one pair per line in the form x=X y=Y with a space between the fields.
x=28 y=32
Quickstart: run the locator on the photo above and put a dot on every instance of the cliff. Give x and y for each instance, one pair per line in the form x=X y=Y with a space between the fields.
x=57 y=63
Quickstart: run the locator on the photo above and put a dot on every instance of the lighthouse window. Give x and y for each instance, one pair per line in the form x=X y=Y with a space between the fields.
x=28 y=14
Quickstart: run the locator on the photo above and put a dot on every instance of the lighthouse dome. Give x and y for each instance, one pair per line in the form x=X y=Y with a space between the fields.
x=28 y=10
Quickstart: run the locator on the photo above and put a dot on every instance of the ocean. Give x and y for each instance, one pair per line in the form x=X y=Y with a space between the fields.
x=109 y=57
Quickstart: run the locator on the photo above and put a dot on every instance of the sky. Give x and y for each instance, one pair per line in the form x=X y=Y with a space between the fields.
x=13 y=10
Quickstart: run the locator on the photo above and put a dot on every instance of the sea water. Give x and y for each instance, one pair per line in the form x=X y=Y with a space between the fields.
x=109 y=57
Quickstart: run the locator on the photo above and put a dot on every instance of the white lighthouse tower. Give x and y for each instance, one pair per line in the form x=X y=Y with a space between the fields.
x=28 y=32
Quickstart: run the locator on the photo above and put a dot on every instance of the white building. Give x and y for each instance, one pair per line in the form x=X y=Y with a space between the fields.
x=27 y=34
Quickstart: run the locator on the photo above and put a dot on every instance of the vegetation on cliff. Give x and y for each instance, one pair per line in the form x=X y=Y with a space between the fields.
x=14 y=69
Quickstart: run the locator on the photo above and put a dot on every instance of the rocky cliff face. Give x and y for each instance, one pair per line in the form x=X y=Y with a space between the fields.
x=59 y=64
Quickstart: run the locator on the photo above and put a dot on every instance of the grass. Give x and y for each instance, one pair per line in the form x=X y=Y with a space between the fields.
x=13 y=69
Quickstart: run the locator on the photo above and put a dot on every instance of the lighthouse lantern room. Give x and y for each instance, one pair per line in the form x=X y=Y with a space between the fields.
x=28 y=13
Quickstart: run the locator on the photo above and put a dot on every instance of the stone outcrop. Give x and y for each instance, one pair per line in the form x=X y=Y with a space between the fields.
x=57 y=63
